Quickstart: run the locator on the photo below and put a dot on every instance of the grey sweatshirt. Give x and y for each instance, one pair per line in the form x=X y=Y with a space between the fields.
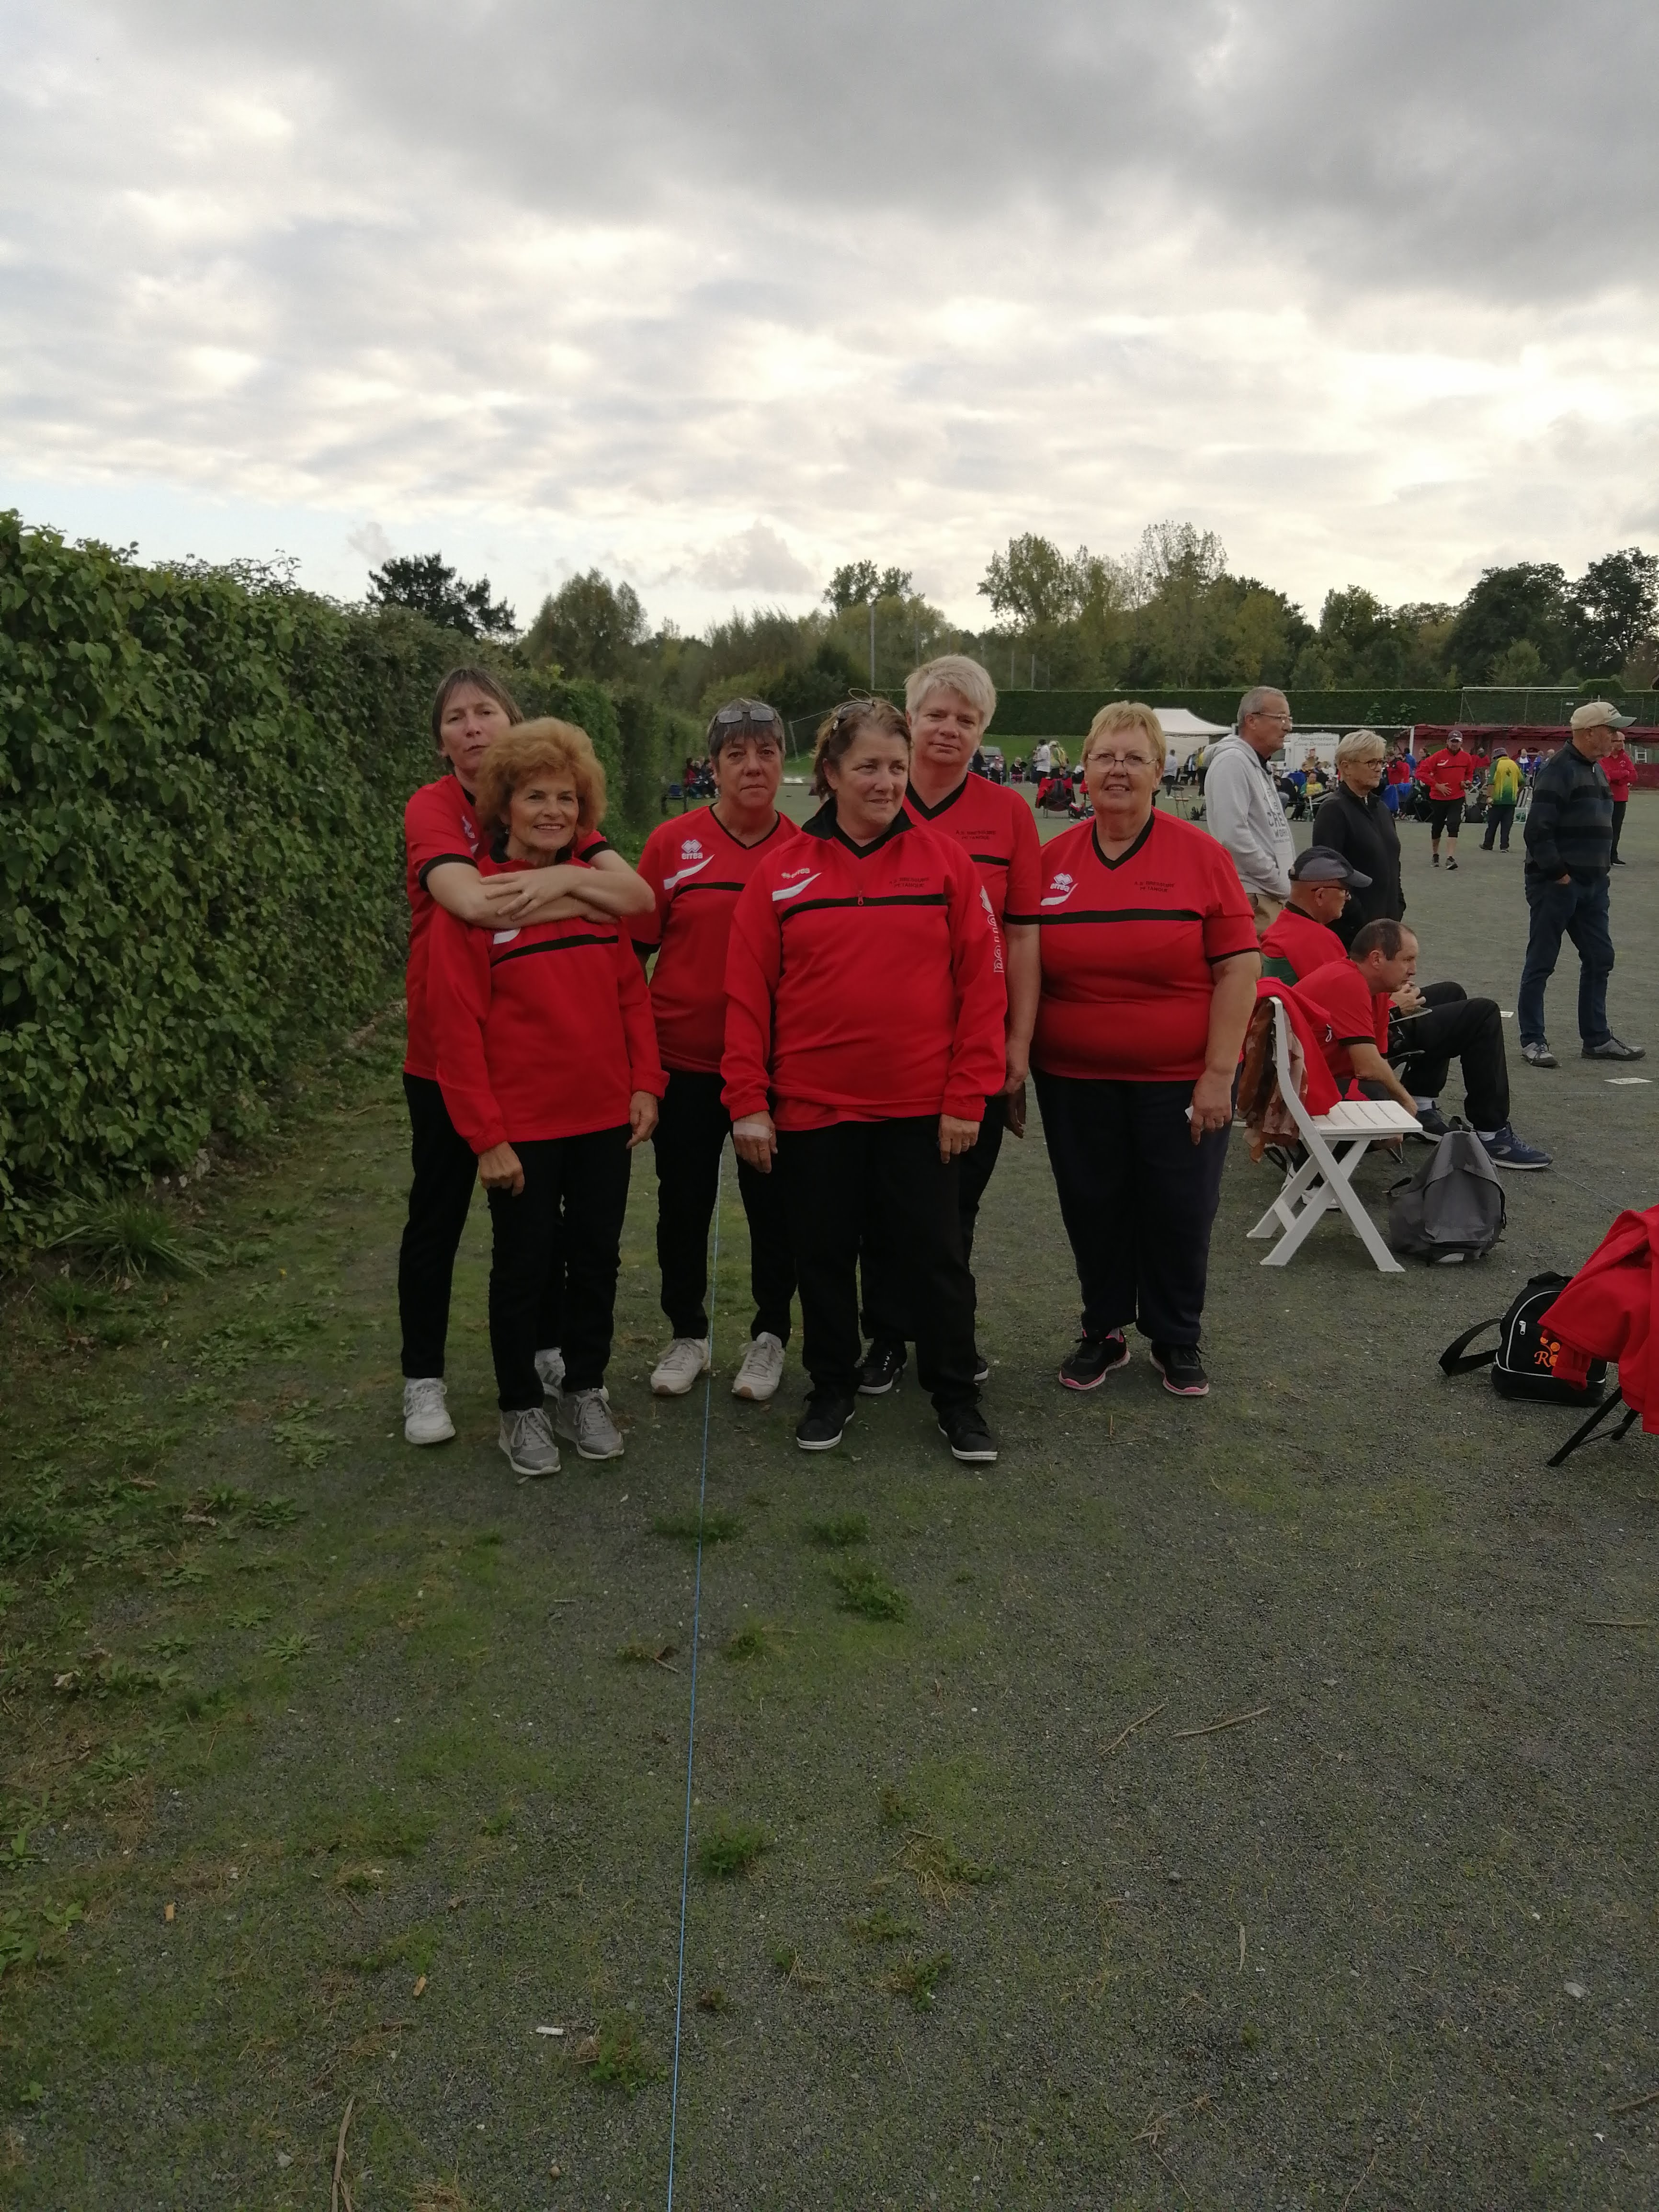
x=1243 y=810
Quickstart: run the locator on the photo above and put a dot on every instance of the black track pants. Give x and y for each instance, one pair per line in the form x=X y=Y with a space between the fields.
x=691 y=1128
x=581 y=1182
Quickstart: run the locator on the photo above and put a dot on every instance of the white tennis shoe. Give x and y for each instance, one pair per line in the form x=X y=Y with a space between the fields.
x=684 y=1362
x=762 y=1370
x=426 y=1415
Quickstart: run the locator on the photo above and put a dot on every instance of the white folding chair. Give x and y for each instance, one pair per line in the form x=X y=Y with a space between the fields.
x=1335 y=1144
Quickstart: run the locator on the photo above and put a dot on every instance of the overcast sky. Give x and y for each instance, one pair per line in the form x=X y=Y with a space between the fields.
x=716 y=297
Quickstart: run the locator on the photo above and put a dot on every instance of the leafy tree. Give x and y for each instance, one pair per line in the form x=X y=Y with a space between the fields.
x=858 y=582
x=1034 y=583
x=424 y=583
x=1527 y=601
x=588 y=627
x=1615 y=605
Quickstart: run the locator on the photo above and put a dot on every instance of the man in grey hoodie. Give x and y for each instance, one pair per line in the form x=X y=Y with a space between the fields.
x=1242 y=809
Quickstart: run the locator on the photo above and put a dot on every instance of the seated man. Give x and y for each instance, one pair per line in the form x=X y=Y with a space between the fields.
x=1367 y=1010
x=1304 y=936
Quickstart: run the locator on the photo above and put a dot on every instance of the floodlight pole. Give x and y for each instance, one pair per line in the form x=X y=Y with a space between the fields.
x=872 y=644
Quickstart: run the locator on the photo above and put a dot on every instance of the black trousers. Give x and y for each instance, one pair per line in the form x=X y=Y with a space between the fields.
x=887 y=1321
x=1500 y=819
x=1454 y=1026
x=1138 y=1198
x=582 y=1182
x=446 y=1175
x=1445 y=814
x=838 y=1181
x=1618 y=806
x=691 y=1128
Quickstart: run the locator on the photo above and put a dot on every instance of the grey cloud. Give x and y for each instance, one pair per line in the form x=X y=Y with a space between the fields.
x=756 y=560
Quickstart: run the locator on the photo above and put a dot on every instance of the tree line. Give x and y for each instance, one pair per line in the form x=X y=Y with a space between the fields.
x=1172 y=613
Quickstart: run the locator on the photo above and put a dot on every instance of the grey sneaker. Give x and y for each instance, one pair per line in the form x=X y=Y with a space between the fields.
x=685 y=1362
x=1539 y=1055
x=426 y=1416
x=549 y=1365
x=528 y=1442
x=762 y=1370
x=584 y=1420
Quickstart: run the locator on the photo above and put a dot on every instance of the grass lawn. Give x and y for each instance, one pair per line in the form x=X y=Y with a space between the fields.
x=335 y=1771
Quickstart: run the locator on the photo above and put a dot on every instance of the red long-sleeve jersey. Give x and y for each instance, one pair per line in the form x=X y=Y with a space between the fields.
x=1447 y=774
x=543 y=1031
x=863 y=985
x=1619 y=769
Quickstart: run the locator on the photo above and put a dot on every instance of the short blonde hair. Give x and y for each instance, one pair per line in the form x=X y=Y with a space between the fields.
x=1126 y=715
x=533 y=746
x=1359 y=745
x=953 y=671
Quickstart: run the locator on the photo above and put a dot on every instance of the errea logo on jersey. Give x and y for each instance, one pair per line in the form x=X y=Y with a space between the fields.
x=691 y=849
x=1061 y=888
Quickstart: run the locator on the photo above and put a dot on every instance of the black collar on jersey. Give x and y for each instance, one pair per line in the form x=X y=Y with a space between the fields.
x=498 y=853
x=1094 y=832
x=777 y=824
x=824 y=824
x=932 y=813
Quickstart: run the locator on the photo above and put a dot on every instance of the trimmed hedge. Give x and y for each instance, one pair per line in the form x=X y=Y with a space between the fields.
x=202 y=781
x=1024 y=715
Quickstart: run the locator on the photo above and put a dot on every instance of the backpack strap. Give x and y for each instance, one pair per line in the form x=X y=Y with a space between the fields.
x=1456 y=1360
x=1583 y=1434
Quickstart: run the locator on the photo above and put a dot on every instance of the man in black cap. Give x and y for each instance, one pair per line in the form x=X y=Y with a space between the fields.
x=1304 y=936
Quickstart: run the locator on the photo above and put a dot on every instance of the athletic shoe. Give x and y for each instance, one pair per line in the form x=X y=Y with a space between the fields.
x=982 y=1366
x=1436 y=860
x=1616 y=862
x=881 y=1370
x=1431 y=1123
x=1451 y=863
x=1539 y=1055
x=1611 y=1048
x=823 y=1422
x=684 y=1363
x=426 y=1417
x=963 y=1429
x=762 y=1370
x=584 y=1418
x=1182 y=1369
x=1092 y=1358
x=528 y=1442
x=1505 y=1150
x=549 y=1365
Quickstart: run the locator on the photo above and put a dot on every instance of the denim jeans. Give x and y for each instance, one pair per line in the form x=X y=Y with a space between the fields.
x=1577 y=910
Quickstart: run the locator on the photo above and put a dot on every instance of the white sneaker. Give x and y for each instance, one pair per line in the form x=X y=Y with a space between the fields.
x=426 y=1417
x=680 y=1366
x=584 y=1418
x=549 y=1365
x=762 y=1370
x=528 y=1442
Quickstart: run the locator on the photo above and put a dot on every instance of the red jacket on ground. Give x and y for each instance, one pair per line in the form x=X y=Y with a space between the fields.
x=1447 y=774
x=1620 y=771
x=1320 y=1093
x=542 y=1031
x=863 y=985
x=1608 y=1312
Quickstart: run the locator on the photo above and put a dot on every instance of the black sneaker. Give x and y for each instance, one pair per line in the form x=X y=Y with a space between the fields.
x=1182 y=1369
x=1431 y=1123
x=823 y=1422
x=1451 y=863
x=982 y=1366
x=1615 y=861
x=1612 y=1048
x=1436 y=860
x=881 y=1370
x=1092 y=1358
x=963 y=1429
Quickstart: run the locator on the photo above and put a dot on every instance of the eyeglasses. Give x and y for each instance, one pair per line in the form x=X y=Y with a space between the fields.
x=1120 y=760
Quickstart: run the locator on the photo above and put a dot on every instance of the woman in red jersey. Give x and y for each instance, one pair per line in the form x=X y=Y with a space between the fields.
x=1148 y=972
x=950 y=701
x=697 y=865
x=471 y=710
x=547 y=1059
x=864 y=1031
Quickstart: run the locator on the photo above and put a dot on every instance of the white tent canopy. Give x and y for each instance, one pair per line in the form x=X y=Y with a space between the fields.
x=1185 y=733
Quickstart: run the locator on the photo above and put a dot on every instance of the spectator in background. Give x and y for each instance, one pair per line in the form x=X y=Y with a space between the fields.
x=1448 y=775
x=1042 y=760
x=1305 y=935
x=1353 y=820
x=1242 y=809
x=1568 y=853
x=1620 y=771
x=1503 y=796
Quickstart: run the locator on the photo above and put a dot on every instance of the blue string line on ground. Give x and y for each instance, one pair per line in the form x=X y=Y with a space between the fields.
x=691 y=1721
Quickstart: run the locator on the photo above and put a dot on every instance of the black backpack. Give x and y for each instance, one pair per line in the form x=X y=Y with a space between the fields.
x=1524 y=1359
x=1453 y=1208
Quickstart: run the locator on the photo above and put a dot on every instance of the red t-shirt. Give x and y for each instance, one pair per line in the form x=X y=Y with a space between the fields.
x=540 y=1031
x=863 y=985
x=1448 y=774
x=1128 y=948
x=439 y=825
x=1302 y=943
x=992 y=823
x=1341 y=1012
x=695 y=868
x=1620 y=771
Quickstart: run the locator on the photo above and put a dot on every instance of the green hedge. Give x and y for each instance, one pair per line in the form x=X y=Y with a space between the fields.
x=202 y=781
x=1027 y=714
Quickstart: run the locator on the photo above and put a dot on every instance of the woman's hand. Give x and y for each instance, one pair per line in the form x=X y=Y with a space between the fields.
x=755 y=1141
x=499 y=1170
x=1212 y=1103
x=956 y=1135
x=1014 y=1111
x=641 y=1117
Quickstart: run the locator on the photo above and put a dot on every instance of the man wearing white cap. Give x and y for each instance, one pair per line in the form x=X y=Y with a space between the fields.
x=1568 y=853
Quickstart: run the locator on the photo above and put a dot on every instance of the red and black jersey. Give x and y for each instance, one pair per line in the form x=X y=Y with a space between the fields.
x=1129 y=951
x=540 y=1031
x=863 y=984
x=1342 y=1012
x=695 y=867
x=1447 y=774
x=1619 y=769
x=992 y=823
x=439 y=825
x=1296 y=945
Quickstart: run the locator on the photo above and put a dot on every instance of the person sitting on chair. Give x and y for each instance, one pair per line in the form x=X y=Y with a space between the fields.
x=1304 y=935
